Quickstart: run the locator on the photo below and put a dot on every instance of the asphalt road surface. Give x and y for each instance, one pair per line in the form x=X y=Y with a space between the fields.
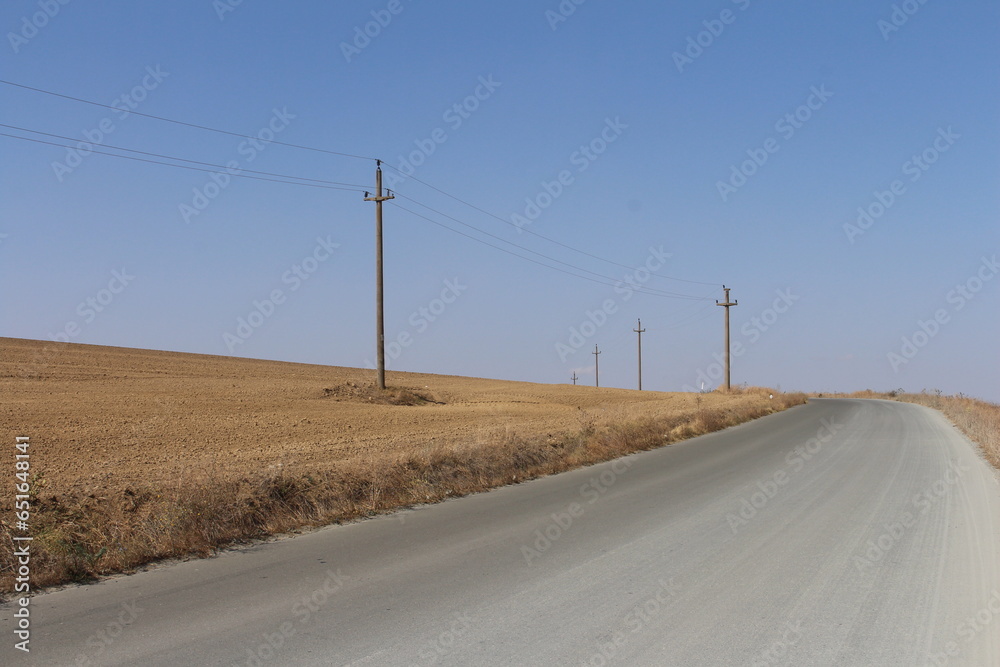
x=844 y=532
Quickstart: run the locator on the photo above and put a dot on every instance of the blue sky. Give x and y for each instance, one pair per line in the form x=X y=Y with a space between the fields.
x=714 y=142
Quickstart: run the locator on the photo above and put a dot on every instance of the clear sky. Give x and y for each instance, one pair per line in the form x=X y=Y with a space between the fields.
x=835 y=164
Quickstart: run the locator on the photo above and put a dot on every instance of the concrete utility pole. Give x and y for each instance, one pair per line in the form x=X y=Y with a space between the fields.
x=379 y=327
x=575 y=378
x=597 y=367
x=726 y=304
x=640 y=331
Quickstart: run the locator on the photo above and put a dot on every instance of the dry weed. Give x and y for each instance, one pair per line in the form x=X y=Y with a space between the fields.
x=80 y=537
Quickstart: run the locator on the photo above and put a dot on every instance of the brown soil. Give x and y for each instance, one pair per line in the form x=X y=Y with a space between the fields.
x=138 y=455
x=104 y=417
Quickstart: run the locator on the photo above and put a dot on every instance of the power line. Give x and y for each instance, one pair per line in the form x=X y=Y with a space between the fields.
x=697 y=316
x=529 y=259
x=534 y=233
x=341 y=154
x=180 y=159
x=613 y=281
x=286 y=176
x=496 y=247
x=547 y=257
x=180 y=122
x=181 y=166
x=295 y=181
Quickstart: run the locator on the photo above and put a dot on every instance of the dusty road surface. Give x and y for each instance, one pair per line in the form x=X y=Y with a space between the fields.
x=111 y=417
x=844 y=532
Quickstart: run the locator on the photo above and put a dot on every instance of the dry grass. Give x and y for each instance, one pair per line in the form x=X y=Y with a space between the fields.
x=979 y=420
x=80 y=537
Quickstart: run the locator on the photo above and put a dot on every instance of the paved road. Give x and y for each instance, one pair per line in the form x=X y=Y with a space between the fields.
x=845 y=532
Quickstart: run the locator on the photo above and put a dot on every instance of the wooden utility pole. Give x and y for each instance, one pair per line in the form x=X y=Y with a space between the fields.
x=379 y=326
x=726 y=304
x=640 y=331
x=575 y=378
x=597 y=367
